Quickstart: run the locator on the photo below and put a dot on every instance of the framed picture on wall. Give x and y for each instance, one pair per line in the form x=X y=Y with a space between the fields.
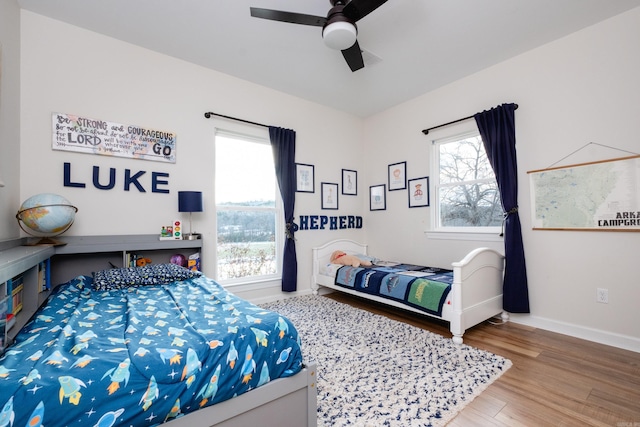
x=419 y=192
x=349 y=182
x=329 y=194
x=398 y=176
x=378 y=197
x=305 y=178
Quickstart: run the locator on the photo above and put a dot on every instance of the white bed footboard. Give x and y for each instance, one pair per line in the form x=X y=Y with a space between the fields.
x=281 y=402
x=476 y=292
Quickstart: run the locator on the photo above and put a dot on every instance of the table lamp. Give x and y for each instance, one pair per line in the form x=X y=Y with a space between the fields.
x=190 y=201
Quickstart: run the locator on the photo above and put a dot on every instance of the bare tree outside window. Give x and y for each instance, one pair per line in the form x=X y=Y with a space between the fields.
x=467 y=191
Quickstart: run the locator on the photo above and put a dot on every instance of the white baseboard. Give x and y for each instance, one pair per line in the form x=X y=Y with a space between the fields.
x=277 y=297
x=596 y=335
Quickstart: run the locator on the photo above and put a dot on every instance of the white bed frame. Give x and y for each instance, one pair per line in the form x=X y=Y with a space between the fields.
x=476 y=292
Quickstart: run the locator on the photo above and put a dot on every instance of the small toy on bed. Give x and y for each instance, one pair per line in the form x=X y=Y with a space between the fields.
x=141 y=262
x=340 y=257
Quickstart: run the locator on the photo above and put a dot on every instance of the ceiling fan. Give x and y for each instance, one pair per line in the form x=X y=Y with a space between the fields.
x=339 y=29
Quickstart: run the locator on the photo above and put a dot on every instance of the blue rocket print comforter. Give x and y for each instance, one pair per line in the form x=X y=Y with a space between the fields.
x=140 y=355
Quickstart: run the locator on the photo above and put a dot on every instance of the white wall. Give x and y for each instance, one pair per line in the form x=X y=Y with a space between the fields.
x=9 y=117
x=576 y=90
x=74 y=71
x=580 y=89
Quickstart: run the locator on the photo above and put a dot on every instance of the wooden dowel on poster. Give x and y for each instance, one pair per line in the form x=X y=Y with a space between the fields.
x=583 y=164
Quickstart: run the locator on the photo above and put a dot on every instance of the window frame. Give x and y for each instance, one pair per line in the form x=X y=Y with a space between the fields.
x=443 y=136
x=259 y=136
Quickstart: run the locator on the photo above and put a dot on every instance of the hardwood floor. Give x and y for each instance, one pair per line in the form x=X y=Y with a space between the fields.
x=555 y=380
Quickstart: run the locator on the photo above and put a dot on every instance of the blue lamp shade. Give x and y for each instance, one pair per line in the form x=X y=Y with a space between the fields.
x=189 y=201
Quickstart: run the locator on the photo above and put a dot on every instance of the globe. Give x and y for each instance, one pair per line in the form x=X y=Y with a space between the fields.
x=46 y=215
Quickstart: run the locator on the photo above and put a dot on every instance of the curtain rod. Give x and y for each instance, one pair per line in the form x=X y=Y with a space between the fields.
x=426 y=131
x=208 y=115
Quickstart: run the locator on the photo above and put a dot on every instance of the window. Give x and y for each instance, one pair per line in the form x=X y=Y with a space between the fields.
x=248 y=209
x=466 y=193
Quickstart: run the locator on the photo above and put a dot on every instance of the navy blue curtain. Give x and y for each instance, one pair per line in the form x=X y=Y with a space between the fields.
x=498 y=132
x=283 y=144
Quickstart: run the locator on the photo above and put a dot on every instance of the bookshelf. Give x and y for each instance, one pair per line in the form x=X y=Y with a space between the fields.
x=28 y=273
x=86 y=254
x=20 y=288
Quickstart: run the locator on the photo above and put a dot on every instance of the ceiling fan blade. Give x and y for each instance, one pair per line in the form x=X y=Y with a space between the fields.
x=294 y=18
x=358 y=9
x=353 y=56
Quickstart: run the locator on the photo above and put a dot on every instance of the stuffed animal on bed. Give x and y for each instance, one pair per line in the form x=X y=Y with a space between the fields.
x=340 y=257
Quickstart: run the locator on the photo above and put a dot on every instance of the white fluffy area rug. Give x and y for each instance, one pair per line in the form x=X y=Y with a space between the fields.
x=375 y=371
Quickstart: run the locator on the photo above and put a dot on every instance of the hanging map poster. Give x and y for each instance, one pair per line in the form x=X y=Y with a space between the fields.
x=603 y=196
x=93 y=136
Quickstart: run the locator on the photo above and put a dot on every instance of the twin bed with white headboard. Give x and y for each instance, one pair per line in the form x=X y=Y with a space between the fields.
x=473 y=294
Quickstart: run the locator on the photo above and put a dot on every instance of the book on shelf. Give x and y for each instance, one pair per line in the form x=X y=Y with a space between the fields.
x=193 y=263
x=16 y=299
x=16 y=283
x=131 y=259
x=44 y=275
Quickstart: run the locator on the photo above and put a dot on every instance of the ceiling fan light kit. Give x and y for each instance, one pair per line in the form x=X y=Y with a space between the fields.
x=339 y=35
x=339 y=29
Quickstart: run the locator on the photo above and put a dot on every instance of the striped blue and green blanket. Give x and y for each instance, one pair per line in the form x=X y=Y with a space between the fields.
x=425 y=288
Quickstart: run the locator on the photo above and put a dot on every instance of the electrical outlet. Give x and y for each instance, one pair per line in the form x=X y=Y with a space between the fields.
x=602 y=295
